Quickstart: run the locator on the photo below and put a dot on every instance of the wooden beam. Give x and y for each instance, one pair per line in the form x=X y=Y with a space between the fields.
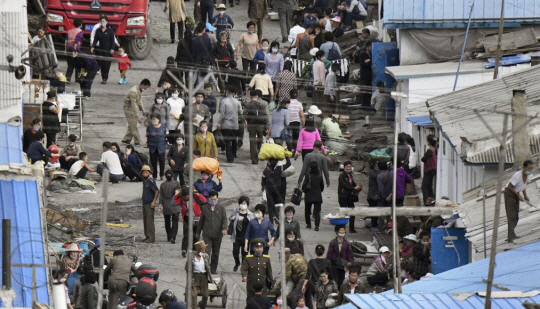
x=400 y=211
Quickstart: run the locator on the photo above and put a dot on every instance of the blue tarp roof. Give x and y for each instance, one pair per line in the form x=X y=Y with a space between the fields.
x=516 y=270
x=19 y=201
x=431 y=301
x=10 y=144
x=421 y=121
x=455 y=13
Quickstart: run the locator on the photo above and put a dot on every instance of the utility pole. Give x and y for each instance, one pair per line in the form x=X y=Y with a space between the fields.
x=499 y=39
x=103 y=232
x=282 y=257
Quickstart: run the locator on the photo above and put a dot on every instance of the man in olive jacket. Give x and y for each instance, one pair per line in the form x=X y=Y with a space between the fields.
x=213 y=224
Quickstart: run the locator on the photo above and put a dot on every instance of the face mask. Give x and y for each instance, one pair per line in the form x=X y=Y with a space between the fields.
x=221 y=12
x=180 y=142
x=205 y=177
x=291 y=238
x=175 y=95
x=258 y=253
x=251 y=31
x=71 y=144
x=348 y=171
x=128 y=152
x=203 y=130
x=265 y=48
x=289 y=217
x=155 y=122
x=212 y=203
x=103 y=25
x=341 y=234
x=159 y=101
x=274 y=50
x=36 y=128
x=199 y=101
x=528 y=173
x=423 y=242
x=258 y=215
x=279 y=302
x=243 y=206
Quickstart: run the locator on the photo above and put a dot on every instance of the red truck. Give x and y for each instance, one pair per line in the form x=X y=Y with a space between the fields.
x=128 y=18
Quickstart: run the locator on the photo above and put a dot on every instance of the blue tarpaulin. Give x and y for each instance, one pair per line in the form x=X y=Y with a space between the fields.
x=421 y=121
x=19 y=201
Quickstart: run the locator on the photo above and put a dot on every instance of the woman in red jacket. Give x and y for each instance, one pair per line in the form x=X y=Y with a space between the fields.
x=181 y=197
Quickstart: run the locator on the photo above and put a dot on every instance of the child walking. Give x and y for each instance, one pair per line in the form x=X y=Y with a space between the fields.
x=123 y=64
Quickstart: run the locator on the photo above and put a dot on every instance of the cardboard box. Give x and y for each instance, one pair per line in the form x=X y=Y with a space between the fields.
x=412 y=200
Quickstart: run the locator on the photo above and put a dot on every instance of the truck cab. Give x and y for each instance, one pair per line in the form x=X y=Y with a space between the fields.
x=128 y=18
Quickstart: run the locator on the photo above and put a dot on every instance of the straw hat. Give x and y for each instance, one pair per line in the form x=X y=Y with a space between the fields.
x=221 y=7
x=146 y=168
x=200 y=245
x=73 y=247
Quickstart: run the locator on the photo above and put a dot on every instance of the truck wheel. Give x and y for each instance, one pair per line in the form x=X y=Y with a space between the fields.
x=140 y=47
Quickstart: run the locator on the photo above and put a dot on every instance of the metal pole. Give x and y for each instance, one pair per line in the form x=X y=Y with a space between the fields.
x=6 y=254
x=34 y=287
x=190 y=201
x=397 y=277
x=493 y=253
x=484 y=208
x=103 y=232
x=282 y=242
x=499 y=39
x=463 y=48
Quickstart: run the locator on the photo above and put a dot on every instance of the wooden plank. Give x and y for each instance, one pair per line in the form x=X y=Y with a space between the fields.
x=400 y=211
x=512 y=40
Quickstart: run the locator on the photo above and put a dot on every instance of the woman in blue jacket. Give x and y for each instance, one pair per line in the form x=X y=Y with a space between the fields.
x=156 y=133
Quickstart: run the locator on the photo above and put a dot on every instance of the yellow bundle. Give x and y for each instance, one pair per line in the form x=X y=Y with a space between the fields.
x=273 y=151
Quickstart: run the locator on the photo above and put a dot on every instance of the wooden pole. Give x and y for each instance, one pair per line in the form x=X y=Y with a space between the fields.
x=190 y=212
x=499 y=39
x=493 y=253
x=103 y=232
x=282 y=257
x=395 y=256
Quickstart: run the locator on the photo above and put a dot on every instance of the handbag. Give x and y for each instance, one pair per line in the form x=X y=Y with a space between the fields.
x=296 y=197
x=286 y=134
x=230 y=228
x=356 y=10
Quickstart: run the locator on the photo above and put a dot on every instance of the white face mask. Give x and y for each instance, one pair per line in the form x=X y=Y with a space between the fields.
x=155 y=121
x=159 y=101
x=341 y=234
x=128 y=152
x=258 y=215
x=203 y=129
x=291 y=238
x=265 y=48
x=103 y=25
x=180 y=142
x=221 y=12
x=274 y=50
x=243 y=206
x=175 y=95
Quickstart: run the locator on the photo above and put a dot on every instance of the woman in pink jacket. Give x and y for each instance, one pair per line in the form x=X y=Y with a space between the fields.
x=307 y=137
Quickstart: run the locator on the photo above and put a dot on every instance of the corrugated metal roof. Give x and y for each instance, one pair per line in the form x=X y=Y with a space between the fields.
x=13 y=41
x=455 y=13
x=492 y=155
x=454 y=111
x=471 y=213
x=432 y=301
x=20 y=202
x=10 y=144
x=517 y=270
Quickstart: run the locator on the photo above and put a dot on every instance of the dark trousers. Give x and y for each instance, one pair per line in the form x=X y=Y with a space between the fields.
x=427 y=185
x=273 y=198
x=171 y=226
x=131 y=173
x=154 y=157
x=248 y=65
x=295 y=127
x=238 y=249
x=117 y=289
x=214 y=245
x=180 y=30
x=240 y=134
x=81 y=173
x=316 y=213
x=72 y=65
x=66 y=164
x=179 y=175
x=86 y=82
x=350 y=16
x=148 y=222
x=43 y=158
x=338 y=274
x=374 y=220
x=305 y=152
x=104 y=65
x=51 y=138
x=186 y=232
x=511 y=204
x=112 y=177
x=255 y=143
x=347 y=202
x=207 y=12
x=231 y=144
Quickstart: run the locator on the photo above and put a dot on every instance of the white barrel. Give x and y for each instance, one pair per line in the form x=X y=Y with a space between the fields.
x=59 y=296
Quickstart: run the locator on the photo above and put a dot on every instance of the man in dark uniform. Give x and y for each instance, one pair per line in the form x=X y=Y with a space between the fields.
x=258 y=301
x=257 y=268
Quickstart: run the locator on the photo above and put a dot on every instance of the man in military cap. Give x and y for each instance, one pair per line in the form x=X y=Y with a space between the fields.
x=257 y=268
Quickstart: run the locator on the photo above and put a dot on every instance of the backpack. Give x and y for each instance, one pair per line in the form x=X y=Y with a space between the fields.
x=143 y=159
x=256 y=113
x=333 y=54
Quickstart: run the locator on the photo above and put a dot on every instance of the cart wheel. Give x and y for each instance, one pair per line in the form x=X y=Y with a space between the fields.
x=224 y=297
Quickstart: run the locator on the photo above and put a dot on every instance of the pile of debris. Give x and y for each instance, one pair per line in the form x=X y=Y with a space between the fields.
x=67 y=185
